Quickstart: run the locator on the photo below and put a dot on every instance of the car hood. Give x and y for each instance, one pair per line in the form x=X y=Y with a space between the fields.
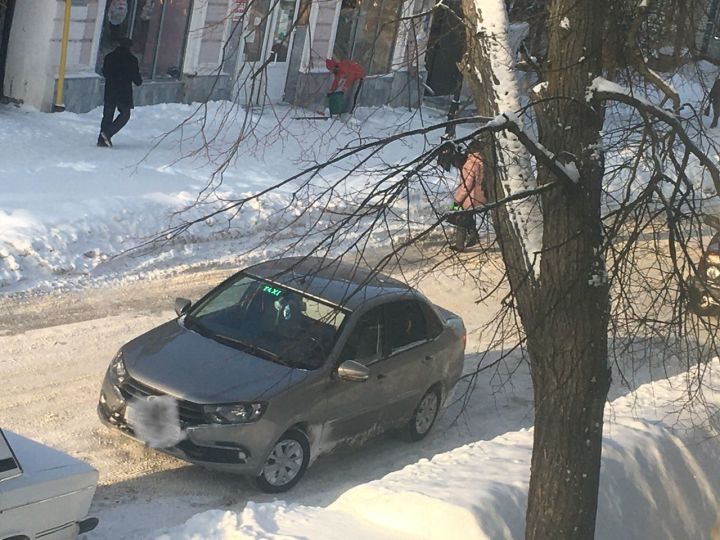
x=189 y=366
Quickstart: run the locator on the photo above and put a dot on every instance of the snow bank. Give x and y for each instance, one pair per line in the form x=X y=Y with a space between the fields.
x=273 y=521
x=657 y=482
x=70 y=211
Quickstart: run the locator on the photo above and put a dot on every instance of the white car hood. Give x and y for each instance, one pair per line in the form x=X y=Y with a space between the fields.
x=47 y=473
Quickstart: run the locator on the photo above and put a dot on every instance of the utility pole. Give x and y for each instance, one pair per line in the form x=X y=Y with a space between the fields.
x=59 y=105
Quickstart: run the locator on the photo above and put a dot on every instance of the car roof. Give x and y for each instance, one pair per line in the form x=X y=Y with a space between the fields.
x=336 y=282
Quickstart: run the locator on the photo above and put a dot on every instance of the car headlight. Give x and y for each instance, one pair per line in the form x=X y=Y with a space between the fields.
x=117 y=371
x=237 y=413
x=712 y=272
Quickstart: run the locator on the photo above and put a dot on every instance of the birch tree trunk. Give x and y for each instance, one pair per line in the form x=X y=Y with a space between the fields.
x=563 y=306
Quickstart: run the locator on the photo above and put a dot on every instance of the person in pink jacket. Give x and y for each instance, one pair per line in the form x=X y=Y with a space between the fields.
x=470 y=194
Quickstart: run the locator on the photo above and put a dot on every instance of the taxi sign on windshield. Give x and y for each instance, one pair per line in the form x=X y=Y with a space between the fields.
x=272 y=290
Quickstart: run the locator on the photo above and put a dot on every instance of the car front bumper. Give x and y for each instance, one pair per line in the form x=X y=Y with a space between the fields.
x=238 y=449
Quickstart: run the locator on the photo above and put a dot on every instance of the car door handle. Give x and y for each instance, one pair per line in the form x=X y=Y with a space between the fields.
x=429 y=358
x=381 y=376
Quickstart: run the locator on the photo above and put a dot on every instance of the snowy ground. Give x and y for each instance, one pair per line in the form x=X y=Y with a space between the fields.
x=466 y=480
x=141 y=490
x=657 y=482
x=69 y=211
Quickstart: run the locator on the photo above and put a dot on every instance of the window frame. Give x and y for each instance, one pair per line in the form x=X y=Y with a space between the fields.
x=389 y=353
x=229 y=282
x=371 y=38
x=18 y=466
x=236 y=277
x=432 y=319
x=379 y=353
x=426 y=310
x=131 y=15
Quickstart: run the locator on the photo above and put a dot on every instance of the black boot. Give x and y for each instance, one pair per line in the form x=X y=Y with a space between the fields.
x=473 y=238
x=460 y=238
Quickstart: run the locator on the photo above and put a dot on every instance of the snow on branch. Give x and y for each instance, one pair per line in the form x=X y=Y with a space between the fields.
x=567 y=172
x=603 y=90
x=641 y=62
x=491 y=26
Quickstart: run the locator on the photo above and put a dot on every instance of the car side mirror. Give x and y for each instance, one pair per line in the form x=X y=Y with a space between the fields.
x=350 y=370
x=182 y=305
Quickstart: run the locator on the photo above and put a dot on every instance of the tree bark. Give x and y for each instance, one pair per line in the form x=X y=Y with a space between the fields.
x=564 y=311
x=568 y=342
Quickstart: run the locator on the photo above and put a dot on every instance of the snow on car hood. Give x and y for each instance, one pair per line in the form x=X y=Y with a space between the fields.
x=47 y=473
x=196 y=368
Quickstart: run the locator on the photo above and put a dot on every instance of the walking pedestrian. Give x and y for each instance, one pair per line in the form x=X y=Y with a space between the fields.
x=121 y=70
x=714 y=99
x=469 y=195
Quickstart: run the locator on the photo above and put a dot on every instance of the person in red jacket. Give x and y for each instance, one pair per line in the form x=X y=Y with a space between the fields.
x=345 y=71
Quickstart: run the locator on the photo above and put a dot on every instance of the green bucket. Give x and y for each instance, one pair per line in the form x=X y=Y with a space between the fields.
x=336 y=102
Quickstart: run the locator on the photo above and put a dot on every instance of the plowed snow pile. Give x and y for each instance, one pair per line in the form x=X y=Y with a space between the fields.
x=659 y=480
x=70 y=211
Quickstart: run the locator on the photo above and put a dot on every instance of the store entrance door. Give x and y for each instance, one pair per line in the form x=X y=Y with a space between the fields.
x=445 y=49
x=6 y=14
x=267 y=41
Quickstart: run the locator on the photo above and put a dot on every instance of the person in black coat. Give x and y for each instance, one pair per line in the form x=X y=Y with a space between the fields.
x=120 y=69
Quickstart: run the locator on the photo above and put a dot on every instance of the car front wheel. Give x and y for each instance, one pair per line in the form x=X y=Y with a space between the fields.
x=425 y=414
x=286 y=463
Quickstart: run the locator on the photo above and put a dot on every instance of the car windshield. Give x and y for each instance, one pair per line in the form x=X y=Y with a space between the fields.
x=269 y=321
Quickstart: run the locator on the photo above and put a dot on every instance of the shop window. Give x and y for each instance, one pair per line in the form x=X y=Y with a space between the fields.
x=366 y=33
x=273 y=19
x=254 y=36
x=282 y=24
x=158 y=29
x=303 y=17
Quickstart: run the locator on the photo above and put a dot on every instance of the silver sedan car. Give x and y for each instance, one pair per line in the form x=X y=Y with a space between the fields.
x=283 y=362
x=44 y=493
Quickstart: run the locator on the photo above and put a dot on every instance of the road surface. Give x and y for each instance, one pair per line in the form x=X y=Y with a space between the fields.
x=56 y=348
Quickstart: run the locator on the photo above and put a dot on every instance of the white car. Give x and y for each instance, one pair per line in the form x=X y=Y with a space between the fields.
x=44 y=493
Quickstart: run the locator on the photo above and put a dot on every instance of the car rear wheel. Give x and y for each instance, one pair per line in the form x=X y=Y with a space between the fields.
x=286 y=463
x=425 y=414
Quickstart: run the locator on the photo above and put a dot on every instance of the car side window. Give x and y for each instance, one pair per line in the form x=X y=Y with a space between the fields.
x=405 y=324
x=228 y=298
x=9 y=467
x=434 y=324
x=364 y=343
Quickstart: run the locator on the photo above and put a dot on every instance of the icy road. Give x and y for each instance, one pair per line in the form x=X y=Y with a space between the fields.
x=55 y=349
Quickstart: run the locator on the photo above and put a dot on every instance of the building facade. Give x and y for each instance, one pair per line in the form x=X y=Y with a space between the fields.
x=708 y=38
x=252 y=51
